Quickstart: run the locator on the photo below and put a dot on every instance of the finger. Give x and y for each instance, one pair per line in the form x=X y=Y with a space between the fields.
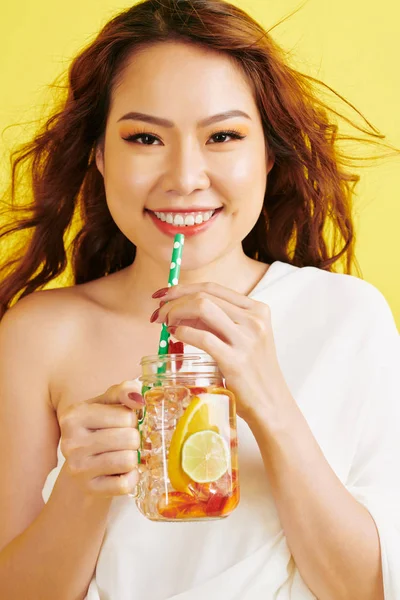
x=111 y=463
x=99 y=416
x=127 y=393
x=213 y=289
x=109 y=440
x=115 y=485
x=204 y=340
x=218 y=316
x=100 y=442
x=201 y=301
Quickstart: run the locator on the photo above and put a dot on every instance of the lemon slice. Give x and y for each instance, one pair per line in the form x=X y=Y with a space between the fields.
x=203 y=413
x=205 y=456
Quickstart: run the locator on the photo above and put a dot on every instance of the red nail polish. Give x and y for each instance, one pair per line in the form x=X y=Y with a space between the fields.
x=160 y=293
x=154 y=316
x=171 y=329
x=136 y=397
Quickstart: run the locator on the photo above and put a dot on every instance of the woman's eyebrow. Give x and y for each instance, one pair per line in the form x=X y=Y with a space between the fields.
x=138 y=116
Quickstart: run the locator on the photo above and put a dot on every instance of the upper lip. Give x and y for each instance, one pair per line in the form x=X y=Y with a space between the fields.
x=185 y=210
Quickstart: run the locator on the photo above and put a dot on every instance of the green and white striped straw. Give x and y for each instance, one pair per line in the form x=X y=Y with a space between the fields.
x=173 y=279
x=175 y=269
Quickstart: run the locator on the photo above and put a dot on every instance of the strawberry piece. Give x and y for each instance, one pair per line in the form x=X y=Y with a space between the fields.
x=195 y=391
x=216 y=504
x=195 y=511
x=181 y=506
x=176 y=348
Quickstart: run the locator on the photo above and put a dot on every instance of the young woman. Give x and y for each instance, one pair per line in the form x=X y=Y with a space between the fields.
x=184 y=116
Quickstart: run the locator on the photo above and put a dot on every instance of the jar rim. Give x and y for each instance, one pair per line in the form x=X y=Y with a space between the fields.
x=200 y=358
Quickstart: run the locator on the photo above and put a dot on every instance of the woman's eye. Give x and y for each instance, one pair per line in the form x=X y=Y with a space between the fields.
x=150 y=137
x=236 y=135
x=137 y=136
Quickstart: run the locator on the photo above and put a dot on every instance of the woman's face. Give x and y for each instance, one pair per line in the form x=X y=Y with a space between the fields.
x=179 y=168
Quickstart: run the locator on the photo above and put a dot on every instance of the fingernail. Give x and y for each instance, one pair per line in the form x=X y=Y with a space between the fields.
x=160 y=293
x=171 y=329
x=136 y=397
x=154 y=316
x=163 y=302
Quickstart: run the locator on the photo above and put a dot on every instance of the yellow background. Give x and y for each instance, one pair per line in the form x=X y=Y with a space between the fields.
x=353 y=45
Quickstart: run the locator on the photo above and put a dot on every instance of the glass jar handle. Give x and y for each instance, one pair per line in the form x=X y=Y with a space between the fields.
x=136 y=493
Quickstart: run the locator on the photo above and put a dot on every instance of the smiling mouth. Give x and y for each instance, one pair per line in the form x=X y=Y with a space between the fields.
x=185 y=219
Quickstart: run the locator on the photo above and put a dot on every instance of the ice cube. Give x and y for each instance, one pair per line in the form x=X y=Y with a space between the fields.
x=155 y=439
x=146 y=444
x=156 y=475
x=151 y=502
x=143 y=484
x=154 y=461
x=158 y=488
x=201 y=491
x=167 y=436
x=175 y=397
x=223 y=485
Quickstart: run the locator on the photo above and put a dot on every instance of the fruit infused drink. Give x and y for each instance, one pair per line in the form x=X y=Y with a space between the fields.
x=189 y=461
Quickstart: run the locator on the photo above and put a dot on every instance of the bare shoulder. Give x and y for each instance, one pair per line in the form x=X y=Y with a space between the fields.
x=56 y=310
x=43 y=314
x=48 y=323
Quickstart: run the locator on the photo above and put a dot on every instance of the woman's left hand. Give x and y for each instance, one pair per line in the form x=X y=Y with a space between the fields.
x=236 y=332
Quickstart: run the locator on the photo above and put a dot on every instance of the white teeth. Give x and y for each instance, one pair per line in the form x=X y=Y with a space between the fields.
x=189 y=220
x=179 y=220
x=185 y=219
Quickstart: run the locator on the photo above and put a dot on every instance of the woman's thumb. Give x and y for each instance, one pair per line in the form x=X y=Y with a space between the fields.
x=131 y=394
x=127 y=393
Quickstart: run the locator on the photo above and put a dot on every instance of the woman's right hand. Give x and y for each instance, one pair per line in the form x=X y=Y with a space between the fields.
x=100 y=439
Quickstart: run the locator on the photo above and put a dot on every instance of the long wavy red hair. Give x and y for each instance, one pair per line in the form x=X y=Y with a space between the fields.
x=310 y=187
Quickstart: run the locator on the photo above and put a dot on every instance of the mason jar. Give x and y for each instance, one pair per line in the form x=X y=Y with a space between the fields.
x=188 y=460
